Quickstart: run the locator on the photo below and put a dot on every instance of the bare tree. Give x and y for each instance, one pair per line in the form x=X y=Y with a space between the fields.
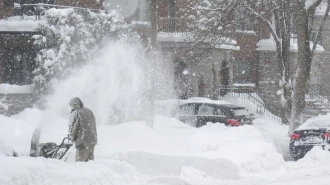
x=303 y=10
x=214 y=18
x=283 y=13
x=277 y=16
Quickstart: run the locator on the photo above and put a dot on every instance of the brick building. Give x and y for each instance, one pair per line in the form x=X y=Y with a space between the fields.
x=18 y=19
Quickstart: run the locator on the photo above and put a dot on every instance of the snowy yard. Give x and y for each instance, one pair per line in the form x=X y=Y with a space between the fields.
x=171 y=154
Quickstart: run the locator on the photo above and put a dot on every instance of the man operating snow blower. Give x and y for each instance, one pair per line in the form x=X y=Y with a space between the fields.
x=82 y=130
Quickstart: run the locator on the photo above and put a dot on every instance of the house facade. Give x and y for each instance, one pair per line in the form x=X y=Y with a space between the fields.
x=247 y=59
x=195 y=75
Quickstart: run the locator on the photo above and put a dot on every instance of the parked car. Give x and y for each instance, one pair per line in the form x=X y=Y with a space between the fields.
x=199 y=113
x=314 y=132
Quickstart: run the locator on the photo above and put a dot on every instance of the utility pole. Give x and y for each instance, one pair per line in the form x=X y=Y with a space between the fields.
x=152 y=47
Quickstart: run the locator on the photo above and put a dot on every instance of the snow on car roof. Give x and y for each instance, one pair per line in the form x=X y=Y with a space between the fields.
x=322 y=121
x=204 y=100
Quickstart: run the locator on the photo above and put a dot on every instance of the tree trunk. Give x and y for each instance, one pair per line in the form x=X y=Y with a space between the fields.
x=287 y=86
x=303 y=65
x=282 y=26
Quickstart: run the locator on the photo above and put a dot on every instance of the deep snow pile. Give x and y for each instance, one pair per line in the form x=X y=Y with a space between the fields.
x=172 y=153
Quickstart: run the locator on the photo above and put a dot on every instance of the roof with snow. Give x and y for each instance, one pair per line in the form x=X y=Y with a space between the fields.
x=19 y=24
x=270 y=45
x=15 y=89
x=204 y=100
x=186 y=38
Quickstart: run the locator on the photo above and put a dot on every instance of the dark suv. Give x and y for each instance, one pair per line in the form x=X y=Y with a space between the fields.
x=198 y=114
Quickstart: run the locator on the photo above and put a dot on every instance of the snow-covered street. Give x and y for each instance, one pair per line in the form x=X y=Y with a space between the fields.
x=170 y=154
x=137 y=68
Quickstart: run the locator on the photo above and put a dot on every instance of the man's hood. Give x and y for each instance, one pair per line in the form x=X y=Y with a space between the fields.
x=76 y=103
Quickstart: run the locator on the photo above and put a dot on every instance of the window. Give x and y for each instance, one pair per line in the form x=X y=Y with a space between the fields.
x=243 y=16
x=19 y=64
x=240 y=112
x=9 y=3
x=243 y=71
x=219 y=111
x=187 y=109
x=171 y=8
x=205 y=110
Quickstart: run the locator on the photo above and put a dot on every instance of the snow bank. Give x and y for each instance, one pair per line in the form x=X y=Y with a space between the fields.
x=40 y=171
x=158 y=165
x=245 y=146
x=172 y=153
x=15 y=134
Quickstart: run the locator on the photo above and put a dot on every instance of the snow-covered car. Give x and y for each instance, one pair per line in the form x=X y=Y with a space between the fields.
x=200 y=113
x=314 y=132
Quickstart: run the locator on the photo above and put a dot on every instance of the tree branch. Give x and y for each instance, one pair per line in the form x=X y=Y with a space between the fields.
x=311 y=9
x=267 y=22
x=319 y=31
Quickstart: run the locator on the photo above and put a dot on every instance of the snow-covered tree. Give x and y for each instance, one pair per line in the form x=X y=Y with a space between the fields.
x=69 y=38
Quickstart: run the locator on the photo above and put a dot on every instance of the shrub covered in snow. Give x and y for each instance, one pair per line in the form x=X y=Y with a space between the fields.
x=69 y=38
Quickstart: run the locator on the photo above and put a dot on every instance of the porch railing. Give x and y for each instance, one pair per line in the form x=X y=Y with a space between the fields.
x=319 y=94
x=248 y=95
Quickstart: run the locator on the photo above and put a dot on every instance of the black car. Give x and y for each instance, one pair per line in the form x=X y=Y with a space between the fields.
x=199 y=113
x=314 y=132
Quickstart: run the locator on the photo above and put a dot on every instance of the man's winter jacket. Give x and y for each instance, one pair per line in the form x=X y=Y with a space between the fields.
x=82 y=126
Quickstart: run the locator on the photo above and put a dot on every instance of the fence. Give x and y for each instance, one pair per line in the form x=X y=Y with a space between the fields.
x=319 y=94
x=247 y=95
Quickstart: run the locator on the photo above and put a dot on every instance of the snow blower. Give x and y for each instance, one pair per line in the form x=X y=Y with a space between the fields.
x=49 y=150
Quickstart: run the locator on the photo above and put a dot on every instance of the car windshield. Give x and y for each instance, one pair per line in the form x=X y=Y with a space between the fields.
x=205 y=110
x=187 y=109
x=240 y=112
x=316 y=123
